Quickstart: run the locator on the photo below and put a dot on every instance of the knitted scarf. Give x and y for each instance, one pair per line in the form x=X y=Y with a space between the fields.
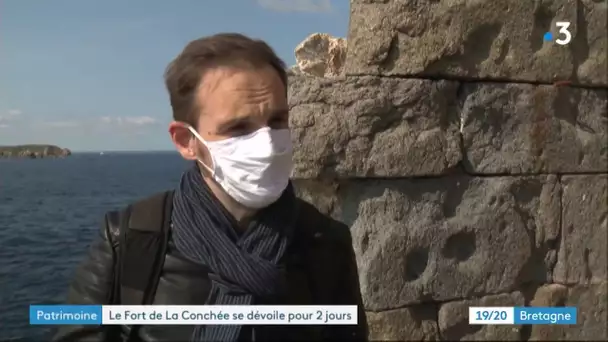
x=244 y=268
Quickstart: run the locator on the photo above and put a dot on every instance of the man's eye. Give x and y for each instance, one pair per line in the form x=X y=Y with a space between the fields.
x=240 y=129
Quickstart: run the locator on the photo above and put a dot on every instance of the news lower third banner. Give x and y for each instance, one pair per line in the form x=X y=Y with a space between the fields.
x=266 y=314
x=192 y=315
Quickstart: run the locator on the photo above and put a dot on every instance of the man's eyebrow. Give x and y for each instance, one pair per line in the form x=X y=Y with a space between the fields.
x=277 y=113
x=232 y=122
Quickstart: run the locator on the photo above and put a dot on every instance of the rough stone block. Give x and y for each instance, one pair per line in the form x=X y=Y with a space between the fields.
x=550 y=295
x=582 y=254
x=454 y=320
x=520 y=128
x=450 y=238
x=321 y=55
x=483 y=39
x=373 y=127
x=591 y=302
x=418 y=323
x=321 y=194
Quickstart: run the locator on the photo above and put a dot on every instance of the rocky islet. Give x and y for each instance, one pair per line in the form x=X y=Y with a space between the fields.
x=34 y=151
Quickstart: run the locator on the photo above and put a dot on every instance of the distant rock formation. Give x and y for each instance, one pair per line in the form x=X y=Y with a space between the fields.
x=34 y=151
x=320 y=55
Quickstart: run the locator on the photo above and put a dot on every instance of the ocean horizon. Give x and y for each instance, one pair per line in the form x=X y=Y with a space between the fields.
x=51 y=210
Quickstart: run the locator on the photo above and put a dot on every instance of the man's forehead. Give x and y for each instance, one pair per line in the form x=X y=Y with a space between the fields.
x=213 y=78
x=226 y=94
x=242 y=86
x=227 y=77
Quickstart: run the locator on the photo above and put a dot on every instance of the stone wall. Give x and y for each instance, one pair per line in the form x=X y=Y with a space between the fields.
x=469 y=177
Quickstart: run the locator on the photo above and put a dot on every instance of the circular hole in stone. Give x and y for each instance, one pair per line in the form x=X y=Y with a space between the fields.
x=460 y=246
x=416 y=261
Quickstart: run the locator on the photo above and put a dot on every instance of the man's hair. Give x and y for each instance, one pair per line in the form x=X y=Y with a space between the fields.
x=185 y=73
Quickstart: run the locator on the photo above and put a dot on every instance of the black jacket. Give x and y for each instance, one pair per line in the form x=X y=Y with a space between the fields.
x=325 y=275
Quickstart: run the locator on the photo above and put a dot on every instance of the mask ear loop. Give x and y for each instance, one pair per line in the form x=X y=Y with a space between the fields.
x=202 y=141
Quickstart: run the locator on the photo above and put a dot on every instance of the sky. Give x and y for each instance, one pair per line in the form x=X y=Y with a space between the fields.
x=88 y=74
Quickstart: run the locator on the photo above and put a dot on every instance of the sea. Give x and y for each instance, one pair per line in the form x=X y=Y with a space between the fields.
x=51 y=210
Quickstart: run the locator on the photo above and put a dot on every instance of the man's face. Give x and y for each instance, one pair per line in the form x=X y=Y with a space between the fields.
x=234 y=102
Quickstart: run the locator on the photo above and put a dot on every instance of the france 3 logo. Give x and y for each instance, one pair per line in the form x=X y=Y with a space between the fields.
x=564 y=35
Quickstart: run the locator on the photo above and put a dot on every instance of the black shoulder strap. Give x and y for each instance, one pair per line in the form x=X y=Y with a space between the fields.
x=316 y=234
x=144 y=235
x=307 y=221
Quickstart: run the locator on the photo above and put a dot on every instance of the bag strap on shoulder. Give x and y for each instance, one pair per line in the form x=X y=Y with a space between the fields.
x=143 y=240
x=144 y=235
x=319 y=238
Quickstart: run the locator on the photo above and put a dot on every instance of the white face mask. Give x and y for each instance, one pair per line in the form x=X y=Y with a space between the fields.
x=253 y=169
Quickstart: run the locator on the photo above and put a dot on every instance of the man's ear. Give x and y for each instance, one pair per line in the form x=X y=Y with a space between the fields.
x=182 y=139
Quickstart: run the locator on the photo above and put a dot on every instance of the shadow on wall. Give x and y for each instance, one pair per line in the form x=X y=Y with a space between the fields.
x=468 y=177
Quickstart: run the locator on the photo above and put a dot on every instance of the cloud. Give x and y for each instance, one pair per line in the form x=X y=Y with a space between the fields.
x=61 y=124
x=4 y=126
x=10 y=115
x=129 y=120
x=310 y=6
x=125 y=122
x=44 y=124
x=140 y=120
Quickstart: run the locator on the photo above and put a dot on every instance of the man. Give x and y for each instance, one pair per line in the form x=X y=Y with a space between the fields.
x=237 y=234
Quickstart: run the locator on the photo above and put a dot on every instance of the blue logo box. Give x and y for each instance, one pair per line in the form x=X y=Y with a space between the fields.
x=65 y=314
x=545 y=315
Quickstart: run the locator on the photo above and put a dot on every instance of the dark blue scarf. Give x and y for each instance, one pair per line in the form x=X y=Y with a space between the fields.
x=243 y=268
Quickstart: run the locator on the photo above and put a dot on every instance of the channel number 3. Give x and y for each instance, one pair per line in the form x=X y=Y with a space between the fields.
x=563 y=30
